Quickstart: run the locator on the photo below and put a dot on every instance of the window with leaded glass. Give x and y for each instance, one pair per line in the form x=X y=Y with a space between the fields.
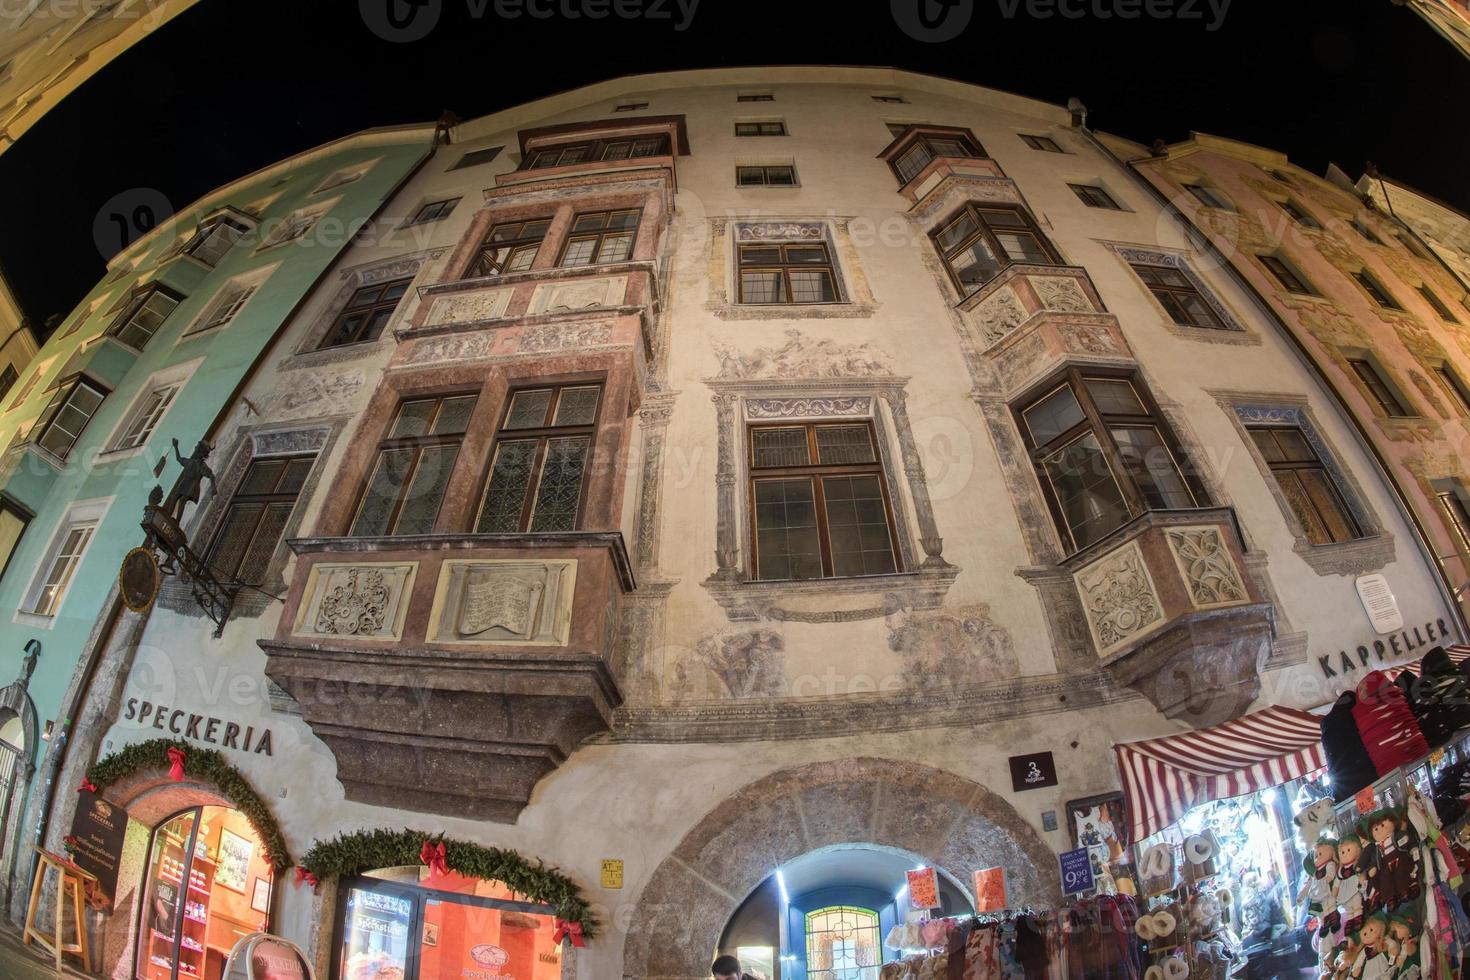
x=539 y=465
x=251 y=529
x=818 y=501
x=1387 y=399
x=929 y=146
x=600 y=236
x=1305 y=483
x=215 y=238
x=71 y=408
x=406 y=486
x=1376 y=290
x=510 y=247
x=143 y=316
x=625 y=148
x=842 y=943
x=1103 y=455
x=794 y=274
x=366 y=313
x=1179 y=297
x=979 y=241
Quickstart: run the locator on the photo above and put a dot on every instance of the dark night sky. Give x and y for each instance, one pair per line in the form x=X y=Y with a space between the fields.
x=233 y=85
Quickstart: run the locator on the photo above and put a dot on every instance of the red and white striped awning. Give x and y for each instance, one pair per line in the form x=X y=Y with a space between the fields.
x=1458 y=655
x=1164 y=777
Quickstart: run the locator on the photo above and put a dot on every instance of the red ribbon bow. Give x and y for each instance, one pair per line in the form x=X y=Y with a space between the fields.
x=176 y=764
x=568 y=930
x=303 y=875
x=433 y=855
x=87 y=786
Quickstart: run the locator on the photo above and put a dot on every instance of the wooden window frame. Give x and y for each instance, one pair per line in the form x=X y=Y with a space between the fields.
x=1376 y=290
x=761 y=127
x=73 y=562
x=1095 y=196
x=367 y=309
x=133 y=307
x=1285 y=273
x=1316 y=463
x=1099 y=426
x=814 y=472
x=484 y=265
x=418 y=444
x=1432 y=298
x=599 y=236
x=543 y=434
x=765 y=172
x=134 y=437
x=447 y=206
x=257 y=497
x=983 y=229
x=924 y=139
x=63 y=394
x=1176 y=290
x=596 y=151
x=1044 y=144
x=1209 y=197
x=785 y=267
x=1372 y=378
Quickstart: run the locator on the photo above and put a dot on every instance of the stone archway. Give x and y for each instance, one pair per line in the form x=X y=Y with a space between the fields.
x=15 y=701
x=954 y=822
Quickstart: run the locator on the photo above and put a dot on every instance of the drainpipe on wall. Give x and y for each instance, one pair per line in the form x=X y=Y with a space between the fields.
x=1401 y=501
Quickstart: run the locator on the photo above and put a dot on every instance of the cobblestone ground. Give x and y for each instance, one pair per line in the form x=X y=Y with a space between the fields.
x=18 y=962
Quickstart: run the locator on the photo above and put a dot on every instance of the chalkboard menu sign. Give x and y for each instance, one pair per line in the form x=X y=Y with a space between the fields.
x=97 y=829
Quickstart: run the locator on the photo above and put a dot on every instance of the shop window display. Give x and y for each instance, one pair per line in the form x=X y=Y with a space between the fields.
x=208 y=882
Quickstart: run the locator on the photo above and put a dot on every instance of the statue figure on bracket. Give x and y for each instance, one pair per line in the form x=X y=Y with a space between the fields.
x=190 y=481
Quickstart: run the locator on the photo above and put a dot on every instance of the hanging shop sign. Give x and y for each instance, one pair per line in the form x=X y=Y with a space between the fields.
x=990 y=889
x=96 y=840
x=1369 y=655
x=138 y=579
x=612 y=872
x=1076 y=867
x=200 y=728
x=1036 y=771
x=924 y=889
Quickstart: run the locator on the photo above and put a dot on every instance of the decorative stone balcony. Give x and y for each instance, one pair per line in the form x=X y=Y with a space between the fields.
x=453 y=670
x=979 y=171
x=1031 y=318
x=1172 y=615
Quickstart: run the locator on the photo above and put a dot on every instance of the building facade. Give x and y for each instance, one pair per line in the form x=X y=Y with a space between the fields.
x=726 y=469
x=1449 y=18
x=147 y=361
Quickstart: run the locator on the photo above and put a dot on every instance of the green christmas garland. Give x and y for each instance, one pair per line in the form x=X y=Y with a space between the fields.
x=204 y=765
x=351 y=854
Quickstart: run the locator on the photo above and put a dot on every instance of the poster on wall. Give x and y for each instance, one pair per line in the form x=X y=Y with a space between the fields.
x=98 y=829
x=990 y=889
x=233 y=865
x=375 y=936
x=924 y=889
x=1096 y=824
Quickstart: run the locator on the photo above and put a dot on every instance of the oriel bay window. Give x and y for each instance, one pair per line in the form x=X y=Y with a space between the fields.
x=413 y=466
x=539 y=468
x=366 y=313
x=928 y=146
x=1103 y=455
x=978 y=242
x=787 y=274
x=600 y=236
x=142 y=317
x=60 y=425
x=510 y=247
x=819 y=506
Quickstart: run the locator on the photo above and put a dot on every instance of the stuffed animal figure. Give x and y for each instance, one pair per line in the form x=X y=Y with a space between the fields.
x=1347 y=889
x=1348 y=956
x=1313 y=823
x=1375 y=960
x=1392 y=867
x=1321 y=868
x=1403 y=929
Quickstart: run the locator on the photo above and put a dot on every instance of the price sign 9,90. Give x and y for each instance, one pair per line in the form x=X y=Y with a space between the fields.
x=1076 y=869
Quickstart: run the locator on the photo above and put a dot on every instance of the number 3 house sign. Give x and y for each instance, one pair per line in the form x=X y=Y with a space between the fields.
x=1033 y=771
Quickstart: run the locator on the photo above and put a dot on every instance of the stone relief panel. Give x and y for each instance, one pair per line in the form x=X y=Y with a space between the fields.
x=561 y=336
x=802 y=356
x=860 y=406
x=579 y=294
x=1119 y=598
x=455 y=347
x=503 y=601
x=367 y=601
x=999 y=314
x=779 y=231
x=1207 y=566
x=1061 y=293
x=472 y=308
x=314 y=394
x=949 y=649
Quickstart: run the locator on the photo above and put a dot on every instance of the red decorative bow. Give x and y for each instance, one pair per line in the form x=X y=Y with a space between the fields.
x=87 y=786
x=433 y=855
x=303 y=875
x=568 y=930
x=176 y=764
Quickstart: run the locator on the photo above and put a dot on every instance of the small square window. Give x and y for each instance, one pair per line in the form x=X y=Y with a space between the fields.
x=631 y=107
x=476 y=157
x=1387 y=399
x=1094 y=197
x=773 y=127
x=434 y=211
x=1433 y=300
x=1044 y=143
x=61 y=567
x=756 y=97
x=893 y=99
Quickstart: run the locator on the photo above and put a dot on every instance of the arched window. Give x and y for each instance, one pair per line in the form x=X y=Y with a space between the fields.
x=842 y=943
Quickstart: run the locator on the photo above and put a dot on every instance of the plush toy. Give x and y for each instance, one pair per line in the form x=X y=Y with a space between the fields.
x=1321 y=868
x=1347 y=889
x=1403 y=929
x=1375 y=959
x=1392 y=867
x=1314 y=822
x=1348 y=957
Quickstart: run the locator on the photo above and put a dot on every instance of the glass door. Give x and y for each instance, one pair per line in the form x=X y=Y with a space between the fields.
x=171 y=922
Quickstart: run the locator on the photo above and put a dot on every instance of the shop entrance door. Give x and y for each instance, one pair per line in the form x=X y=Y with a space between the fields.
x=208 y=884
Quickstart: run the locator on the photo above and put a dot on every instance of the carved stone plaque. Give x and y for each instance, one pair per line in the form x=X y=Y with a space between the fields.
x=498 y=600
x=1119 y=598
x=470 y=308
x=579 y=294
x=362 y=600
x=503 y=601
